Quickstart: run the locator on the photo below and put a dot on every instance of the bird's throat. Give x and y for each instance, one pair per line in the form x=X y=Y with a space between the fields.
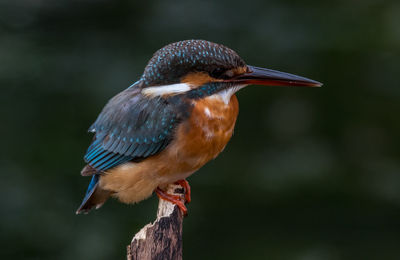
x=226 y=94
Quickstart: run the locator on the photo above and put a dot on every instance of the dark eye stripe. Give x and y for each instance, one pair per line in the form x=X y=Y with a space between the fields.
x=217 y=72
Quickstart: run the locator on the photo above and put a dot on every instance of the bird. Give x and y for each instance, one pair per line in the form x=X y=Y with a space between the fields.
x=178 y=116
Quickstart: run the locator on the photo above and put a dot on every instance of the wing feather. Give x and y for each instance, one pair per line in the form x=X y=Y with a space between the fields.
x=132 y=127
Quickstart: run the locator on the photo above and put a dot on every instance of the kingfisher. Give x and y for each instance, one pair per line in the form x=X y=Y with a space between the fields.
x=178 y=116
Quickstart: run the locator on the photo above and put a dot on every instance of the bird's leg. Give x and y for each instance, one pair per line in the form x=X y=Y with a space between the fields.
x=175 y=199
x=185 y=184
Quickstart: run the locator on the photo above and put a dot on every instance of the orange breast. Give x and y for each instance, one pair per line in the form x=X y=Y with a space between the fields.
x=198 y=140
x=201 y=138
x=210 y=127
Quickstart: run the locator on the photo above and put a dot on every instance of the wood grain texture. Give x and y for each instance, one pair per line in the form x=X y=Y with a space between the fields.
x=161 y=239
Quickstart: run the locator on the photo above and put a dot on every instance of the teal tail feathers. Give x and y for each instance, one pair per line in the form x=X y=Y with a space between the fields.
x=94 y=197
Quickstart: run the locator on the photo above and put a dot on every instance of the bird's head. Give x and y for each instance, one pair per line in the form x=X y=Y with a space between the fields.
x=200 y=68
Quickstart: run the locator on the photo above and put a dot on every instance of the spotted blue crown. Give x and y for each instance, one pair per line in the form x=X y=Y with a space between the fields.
x=176 y=60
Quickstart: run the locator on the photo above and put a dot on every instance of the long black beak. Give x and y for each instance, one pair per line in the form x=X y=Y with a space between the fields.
x=267 y=77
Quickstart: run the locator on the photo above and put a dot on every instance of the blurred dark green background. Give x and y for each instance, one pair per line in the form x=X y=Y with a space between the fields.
x=310 y=173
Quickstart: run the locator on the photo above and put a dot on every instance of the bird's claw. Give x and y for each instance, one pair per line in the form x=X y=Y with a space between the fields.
x=175 y=199
x=186 y=186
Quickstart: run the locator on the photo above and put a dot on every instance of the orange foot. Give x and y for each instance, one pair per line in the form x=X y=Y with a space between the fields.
x=175 y=199
x=186 y=186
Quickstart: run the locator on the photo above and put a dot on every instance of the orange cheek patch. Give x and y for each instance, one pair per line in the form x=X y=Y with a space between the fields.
x=240 y=70
x=197 y=79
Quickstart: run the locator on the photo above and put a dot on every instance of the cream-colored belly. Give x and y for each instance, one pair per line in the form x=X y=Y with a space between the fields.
x=198 y=140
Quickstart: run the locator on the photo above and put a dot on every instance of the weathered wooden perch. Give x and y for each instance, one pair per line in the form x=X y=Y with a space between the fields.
x=161 y=239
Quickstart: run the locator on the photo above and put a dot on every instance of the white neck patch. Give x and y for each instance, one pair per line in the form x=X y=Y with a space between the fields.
x=179 y=88
x=226 y=94
x=172 y=89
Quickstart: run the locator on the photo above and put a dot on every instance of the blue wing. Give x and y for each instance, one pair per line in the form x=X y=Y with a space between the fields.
x=131 y=127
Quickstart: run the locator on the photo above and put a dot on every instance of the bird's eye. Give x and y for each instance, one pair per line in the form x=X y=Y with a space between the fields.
x=217 y=72
x=229 y=73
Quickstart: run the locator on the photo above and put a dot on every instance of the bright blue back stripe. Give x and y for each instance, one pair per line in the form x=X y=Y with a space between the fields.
x=97 y=164
x=120 y=160
x=93 y=153
x=92 y=183
x=98 y=157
